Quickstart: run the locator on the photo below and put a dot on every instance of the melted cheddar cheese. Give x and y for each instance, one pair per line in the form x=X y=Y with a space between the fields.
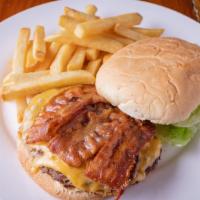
x=148 y=155
x=75 y=175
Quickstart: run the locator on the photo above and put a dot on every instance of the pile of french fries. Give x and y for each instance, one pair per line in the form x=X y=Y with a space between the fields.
x=71 y=56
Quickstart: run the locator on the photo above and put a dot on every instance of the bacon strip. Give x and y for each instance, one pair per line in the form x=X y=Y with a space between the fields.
x=61 y=110
x=83 y=129
x=81 y=139
x=116 y=159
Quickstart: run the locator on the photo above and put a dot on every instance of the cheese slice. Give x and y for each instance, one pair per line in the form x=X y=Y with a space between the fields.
x=36 y=105
x=75 y=175
x=148 y=155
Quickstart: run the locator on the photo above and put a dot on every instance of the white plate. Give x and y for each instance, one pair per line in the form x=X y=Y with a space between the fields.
x=178 y=175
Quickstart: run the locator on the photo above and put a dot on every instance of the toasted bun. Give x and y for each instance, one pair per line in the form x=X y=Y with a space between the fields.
x=154 y=79
x=47 y=183
x=149 y=157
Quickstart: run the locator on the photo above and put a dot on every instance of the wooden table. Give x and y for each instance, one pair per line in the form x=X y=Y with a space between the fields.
x=11 y=7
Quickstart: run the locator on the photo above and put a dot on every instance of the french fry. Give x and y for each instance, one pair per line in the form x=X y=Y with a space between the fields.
x=13 y=78
x=92 y=54
x=54 y=47
x=68 y=23
x=33 y=64
x=91 y=9
x=119 y=38
x=100 y=26
x=106 y=57
x=77 y=59
x=18 y=66
x=52 y=50
x=129 y=33
x=93 y=66
x=31 y=87
x=30 y=60
x=21 y=106
x=19 y=58
x=99 y=42
x=77 y=15
x=62 y=58
x=151 y=32
x=39 y=46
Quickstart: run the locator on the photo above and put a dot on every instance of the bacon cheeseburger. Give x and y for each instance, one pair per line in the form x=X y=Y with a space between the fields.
x=79 y=143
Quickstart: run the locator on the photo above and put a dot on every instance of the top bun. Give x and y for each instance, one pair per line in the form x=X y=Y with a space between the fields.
x=154 y=79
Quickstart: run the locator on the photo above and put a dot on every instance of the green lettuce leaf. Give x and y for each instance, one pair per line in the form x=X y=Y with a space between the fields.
x=181 y=133
x=178 y=136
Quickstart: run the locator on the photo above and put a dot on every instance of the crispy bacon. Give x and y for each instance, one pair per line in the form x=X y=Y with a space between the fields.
x=116 y=159
x=84 y=136
x=83 y=129
x=61 y=110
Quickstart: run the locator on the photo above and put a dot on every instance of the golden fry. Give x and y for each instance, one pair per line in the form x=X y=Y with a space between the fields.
x=99 y=42
x=62 y=58
x=21 y=105
x=77 y=59
x=39 y=65
x=13 y=78
x=151 y=32
x=119 y=38
x=92 y=54
x=93 y=66
x=77 y=15
x=129 y=33
x=68 y=23
x=30 y=87
x=18 y=66
x=30 y=60
x=52 y=50
x=39 y=46
x=100 y=26
x=91 y=9
x=19 y=58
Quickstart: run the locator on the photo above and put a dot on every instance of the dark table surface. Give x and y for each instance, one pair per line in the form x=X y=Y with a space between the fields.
x=11 y=7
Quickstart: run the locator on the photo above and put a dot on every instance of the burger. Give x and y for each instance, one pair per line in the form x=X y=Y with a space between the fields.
x=90 y=142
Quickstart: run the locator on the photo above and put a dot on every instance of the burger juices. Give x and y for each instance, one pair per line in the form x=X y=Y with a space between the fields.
x=85 y=143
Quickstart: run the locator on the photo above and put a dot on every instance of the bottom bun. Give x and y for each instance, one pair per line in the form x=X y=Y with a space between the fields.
x=48 y=184
x=148 y=159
